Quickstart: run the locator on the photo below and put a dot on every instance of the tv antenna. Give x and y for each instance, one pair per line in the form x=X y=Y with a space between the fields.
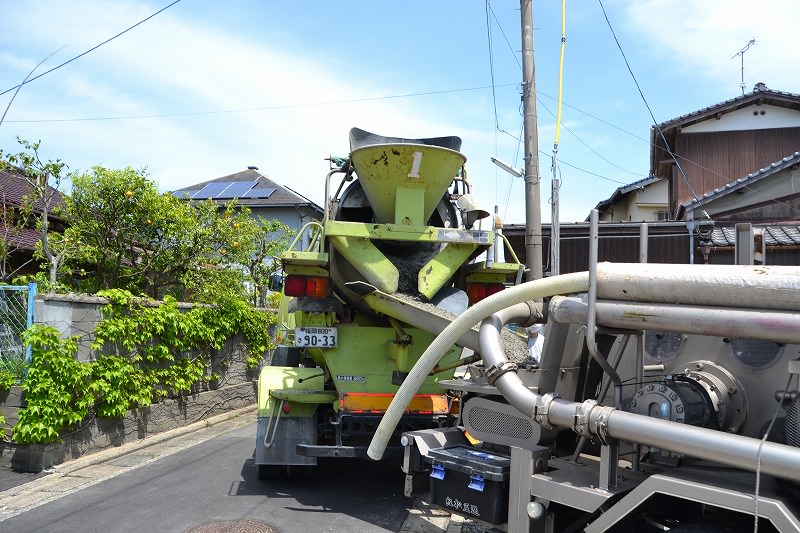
x=740 y=53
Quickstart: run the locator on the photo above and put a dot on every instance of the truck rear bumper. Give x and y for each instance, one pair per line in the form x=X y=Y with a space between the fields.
x=311 y=450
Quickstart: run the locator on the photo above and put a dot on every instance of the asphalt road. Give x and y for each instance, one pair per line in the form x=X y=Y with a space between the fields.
x=213 y=487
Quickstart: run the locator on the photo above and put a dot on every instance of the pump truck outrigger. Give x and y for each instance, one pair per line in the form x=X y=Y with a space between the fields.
x=364 y=292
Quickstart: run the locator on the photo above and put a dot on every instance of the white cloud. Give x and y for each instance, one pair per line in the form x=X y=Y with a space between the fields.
x=286 y=79
x=170 y=67
x=702 y=38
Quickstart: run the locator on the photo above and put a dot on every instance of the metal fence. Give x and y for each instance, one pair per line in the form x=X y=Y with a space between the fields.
x=16 y=315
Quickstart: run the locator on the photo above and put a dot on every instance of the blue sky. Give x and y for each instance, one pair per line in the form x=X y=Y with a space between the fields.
x=207 y=88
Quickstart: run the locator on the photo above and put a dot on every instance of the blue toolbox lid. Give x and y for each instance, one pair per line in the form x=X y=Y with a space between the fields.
x=471 y=461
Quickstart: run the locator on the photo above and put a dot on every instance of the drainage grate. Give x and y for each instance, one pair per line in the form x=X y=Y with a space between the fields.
x=243 y=525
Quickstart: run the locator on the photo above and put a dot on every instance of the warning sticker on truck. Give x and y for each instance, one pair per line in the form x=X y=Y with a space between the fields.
x=360 y=379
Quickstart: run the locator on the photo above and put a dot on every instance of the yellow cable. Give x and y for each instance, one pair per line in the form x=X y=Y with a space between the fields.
x=561 y=71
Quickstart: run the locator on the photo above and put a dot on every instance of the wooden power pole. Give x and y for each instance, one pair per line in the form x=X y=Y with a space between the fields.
x=533 y=212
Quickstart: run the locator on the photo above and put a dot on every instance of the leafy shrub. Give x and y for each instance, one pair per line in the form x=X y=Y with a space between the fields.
x=149 y=350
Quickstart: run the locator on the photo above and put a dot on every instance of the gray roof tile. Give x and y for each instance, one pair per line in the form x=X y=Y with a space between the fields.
x=759 y=93
x=786 y=235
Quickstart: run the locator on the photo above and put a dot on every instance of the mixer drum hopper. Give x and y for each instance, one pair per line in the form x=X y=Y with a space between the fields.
x=404 y=179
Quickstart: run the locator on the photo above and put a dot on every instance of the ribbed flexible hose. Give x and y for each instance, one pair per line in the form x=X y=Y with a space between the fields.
x=532 y=290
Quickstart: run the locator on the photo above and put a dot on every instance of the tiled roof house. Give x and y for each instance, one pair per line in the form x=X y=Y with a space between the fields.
x=260 y=194
x=21 y=239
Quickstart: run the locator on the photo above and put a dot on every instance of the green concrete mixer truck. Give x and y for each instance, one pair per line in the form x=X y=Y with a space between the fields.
x=401 y=250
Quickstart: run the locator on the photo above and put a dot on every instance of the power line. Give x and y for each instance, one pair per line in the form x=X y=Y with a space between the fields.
x=264 y=108
x=489 y=12
x=667 y=147
x=587 y=146
x=562 y=162
x=595 y=117
x=491 y=64
x=649 y=110
x=2 y=118
x=89 y=50
x=491 y=61
x=500 y=27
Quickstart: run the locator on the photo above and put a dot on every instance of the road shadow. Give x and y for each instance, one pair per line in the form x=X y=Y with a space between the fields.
x=371 y=491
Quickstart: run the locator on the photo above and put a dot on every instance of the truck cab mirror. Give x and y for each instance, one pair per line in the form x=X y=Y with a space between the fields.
x=276 y=282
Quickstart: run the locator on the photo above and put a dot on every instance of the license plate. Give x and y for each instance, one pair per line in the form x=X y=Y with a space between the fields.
x=315 y=337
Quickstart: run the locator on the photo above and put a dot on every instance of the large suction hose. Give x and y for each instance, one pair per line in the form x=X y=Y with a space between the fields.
x=533 y=290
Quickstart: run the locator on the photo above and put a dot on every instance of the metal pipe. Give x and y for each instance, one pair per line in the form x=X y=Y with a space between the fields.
x=776 y=326
x=643 y=233
x=742 y=452
x=326 y=213
x=590 y=419
x=494 y=356
x=591 y=327
x=474 y=358
x=555 y=228
x=639 y=381
x=603 y=391
x=498 y=240
x=621 y=352
x=768 y=287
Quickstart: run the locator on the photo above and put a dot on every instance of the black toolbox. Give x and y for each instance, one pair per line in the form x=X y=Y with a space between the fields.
x=470 y=482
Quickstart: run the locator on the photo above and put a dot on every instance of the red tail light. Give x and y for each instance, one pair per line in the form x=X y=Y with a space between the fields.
x=311 y=286
x=478 y=291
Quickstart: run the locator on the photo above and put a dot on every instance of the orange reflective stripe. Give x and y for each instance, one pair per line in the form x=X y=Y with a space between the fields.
x=422 y=404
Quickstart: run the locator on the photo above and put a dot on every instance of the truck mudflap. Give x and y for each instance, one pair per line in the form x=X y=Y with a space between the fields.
x=287 y=403
x=278 y=447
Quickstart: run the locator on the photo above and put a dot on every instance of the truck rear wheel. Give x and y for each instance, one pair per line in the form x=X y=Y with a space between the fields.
x=286 y=356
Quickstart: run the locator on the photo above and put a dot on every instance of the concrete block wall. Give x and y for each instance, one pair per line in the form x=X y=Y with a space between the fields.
x=74 y=315
x=97 y=434
x=78 y=315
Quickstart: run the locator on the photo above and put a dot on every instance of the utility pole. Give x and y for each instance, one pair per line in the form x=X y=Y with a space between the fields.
x=533 y=214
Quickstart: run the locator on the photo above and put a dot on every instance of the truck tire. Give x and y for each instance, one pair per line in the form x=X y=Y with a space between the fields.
x=286 y=356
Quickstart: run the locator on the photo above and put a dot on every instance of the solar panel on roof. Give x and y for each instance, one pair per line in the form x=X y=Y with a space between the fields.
x=264 y=192
x=197 y=194
x=236 y=189
x=210 y=190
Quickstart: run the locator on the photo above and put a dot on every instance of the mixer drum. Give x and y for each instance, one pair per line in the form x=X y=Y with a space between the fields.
x=407 y=256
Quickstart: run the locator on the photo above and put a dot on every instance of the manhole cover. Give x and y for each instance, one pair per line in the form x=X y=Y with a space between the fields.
x=244 y=525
